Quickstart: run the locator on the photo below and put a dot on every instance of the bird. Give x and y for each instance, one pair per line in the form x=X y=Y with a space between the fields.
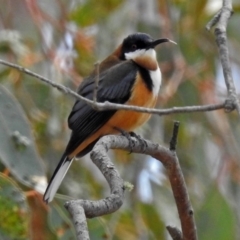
x=129 y=76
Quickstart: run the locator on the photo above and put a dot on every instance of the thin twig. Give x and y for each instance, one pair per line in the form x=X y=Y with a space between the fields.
x=110 y=106
x=173 y=142
x=220 y=21
x=175 y=233
x=214 y=20
x=96 y=83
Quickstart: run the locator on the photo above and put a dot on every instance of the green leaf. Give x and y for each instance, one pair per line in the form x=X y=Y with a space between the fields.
x=153 y=221
x=98 y=228
x=93 y=11
x=215 y=219
x=125 y=226
x=60 y=223
x=17 y=149
x=14 y=211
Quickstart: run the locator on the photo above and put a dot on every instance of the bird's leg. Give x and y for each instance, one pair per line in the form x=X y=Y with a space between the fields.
x=128 y=136
x=140 y=139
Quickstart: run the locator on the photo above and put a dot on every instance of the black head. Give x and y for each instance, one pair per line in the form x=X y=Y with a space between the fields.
x=138 y=41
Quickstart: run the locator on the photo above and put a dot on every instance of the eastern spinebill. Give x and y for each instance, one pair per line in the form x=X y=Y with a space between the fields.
x=131 y=76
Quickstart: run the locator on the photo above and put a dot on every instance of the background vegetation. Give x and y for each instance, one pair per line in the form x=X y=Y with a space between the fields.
x=62 y=40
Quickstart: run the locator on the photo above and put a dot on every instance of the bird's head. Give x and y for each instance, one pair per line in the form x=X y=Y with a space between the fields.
x=138 y=45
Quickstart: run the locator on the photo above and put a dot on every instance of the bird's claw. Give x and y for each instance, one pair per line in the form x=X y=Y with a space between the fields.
x=141 y=140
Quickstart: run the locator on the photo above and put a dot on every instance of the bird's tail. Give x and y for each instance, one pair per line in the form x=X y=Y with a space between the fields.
x=57 y=178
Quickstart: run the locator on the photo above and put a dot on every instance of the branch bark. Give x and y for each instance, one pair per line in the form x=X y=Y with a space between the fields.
x=79 y=220
x=114 y=201
x=175 y=233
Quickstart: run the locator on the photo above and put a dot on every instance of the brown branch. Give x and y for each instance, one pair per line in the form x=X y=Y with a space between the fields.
x=175 y=233
x=220 y=21
x=114 y=201
x=180 y=192
x=110 y=106
x=173 y=142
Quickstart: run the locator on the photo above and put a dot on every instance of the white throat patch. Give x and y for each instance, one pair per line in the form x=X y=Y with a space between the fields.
x=140 y=53
x=155 y=75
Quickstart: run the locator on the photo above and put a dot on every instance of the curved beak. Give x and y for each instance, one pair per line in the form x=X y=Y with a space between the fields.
x=161 y=40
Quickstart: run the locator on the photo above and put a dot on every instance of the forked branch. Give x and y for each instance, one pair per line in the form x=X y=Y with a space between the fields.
x=114 y=201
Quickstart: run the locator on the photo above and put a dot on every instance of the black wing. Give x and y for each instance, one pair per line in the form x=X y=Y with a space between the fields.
x=84 y=120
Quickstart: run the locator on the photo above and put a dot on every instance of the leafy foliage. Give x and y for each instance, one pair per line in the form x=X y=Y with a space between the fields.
x=14 y=210
x=92 y=12
x=215 y=218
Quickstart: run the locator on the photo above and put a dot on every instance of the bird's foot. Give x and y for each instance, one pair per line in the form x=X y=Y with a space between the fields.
x=129 y=136
x=141 y=140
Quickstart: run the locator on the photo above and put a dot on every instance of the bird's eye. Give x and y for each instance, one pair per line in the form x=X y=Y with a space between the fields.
x=134 y=47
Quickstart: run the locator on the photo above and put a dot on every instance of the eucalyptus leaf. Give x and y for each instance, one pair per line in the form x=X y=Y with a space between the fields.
x=215 y=219
x=17 y=149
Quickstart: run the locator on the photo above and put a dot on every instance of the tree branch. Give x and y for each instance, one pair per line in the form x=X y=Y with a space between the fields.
x=220 y=21
x=111 y=106
x=173 y=142
x=79 y=220
x=175 y=233
x=180 y=193
x=114 y=201
x=104 y=206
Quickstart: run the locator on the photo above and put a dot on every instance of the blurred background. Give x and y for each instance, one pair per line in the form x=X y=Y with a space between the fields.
x=61 y=40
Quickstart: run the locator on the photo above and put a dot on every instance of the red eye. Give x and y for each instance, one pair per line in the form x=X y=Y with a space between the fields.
x=134 y=47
